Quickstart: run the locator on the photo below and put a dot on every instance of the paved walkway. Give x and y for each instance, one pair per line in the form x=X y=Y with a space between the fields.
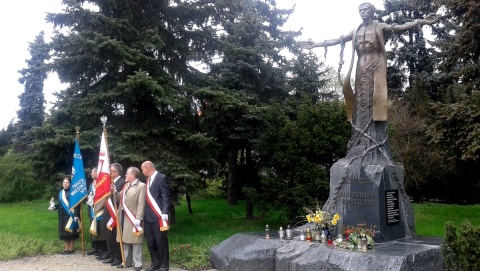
x=58 y=262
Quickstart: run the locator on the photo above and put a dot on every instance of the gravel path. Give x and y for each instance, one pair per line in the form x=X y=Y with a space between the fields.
x=58 y=262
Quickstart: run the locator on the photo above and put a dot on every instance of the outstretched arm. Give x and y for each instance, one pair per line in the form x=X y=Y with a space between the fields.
x=430 y=19
x=327 y=43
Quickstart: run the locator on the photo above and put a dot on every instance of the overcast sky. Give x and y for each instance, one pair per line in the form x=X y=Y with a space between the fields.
x=22 y=20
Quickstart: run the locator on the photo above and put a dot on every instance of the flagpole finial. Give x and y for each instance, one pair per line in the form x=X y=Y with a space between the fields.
x=77 y=128
x=104 y=120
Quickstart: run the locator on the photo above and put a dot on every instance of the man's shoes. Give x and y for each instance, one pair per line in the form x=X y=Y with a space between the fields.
x=121 y=265
x=69 y=251
x=91 y=252
x=103 y=257
x=137 y=268
x=115 y=263
x=109 y=260
x=153 y=268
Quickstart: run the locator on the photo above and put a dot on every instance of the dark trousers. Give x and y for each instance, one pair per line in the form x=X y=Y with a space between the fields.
x=157 y=243
x=100 y=245
x=113 y=247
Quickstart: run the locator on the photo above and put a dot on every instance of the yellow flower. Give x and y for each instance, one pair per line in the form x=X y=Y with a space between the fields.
x=336 y=217
x=334 y=222
x=308 y=218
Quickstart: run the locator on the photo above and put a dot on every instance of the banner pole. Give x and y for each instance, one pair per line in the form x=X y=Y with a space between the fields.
x=119 y=226
x=81 y=206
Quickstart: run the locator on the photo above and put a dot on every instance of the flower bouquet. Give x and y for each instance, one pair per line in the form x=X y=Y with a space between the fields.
x=322 y=220
x=355 y=239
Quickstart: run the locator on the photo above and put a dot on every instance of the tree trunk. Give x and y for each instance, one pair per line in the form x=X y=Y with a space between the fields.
x=249 y=201
x=171 y=215
x=189 y=204
x=232 y=178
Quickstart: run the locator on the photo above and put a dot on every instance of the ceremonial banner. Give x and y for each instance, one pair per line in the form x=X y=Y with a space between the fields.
x=103 y=183
x=78 y=185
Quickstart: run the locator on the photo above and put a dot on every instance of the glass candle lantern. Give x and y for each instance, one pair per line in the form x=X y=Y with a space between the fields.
x=364 y=242
x=302 y=235
x=308 y=235
x=339 y=238
x=289 y=233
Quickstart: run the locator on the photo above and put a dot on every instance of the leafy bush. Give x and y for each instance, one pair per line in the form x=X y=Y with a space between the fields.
x=17 y=181
x=296 y=152
x=215 y=188
x=461 y=252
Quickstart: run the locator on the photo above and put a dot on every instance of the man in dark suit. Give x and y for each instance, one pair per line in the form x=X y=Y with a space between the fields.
x=113 y=247
x=156 y=217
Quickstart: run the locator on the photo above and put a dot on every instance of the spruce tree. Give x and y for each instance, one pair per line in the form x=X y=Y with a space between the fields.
x=409 y=53
x=32 y=101
x=249 y=77
x=129 y=61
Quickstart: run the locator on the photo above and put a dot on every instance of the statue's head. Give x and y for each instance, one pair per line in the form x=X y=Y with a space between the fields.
x=368 y=5
x=366 y=8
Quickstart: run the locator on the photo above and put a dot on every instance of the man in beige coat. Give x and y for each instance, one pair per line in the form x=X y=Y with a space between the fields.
x=132 y=203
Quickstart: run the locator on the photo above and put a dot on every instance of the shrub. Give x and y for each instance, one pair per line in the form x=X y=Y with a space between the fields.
x=461 y=252
x=17 y=181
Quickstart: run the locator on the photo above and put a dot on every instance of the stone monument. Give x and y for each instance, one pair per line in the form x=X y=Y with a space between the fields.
x=366 y=187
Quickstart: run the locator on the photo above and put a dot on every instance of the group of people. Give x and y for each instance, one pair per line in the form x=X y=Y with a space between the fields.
x=142 y=214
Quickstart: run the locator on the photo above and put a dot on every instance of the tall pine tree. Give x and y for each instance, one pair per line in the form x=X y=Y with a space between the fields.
x=32 y=100
x=248 y=78
x=128 y=60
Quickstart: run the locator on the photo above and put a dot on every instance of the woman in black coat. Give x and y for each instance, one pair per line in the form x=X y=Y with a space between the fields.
x=67 y=236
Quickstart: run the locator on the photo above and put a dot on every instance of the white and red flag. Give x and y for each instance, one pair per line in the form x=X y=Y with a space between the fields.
x=102 y=185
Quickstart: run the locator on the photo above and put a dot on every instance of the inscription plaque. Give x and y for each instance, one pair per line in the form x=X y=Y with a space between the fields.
x=393 y=207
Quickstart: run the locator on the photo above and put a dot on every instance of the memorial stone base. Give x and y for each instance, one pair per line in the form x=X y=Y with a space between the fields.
x=252 y=252
x=371 y=197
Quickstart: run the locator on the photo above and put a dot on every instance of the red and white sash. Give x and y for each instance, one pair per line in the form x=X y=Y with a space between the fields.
x=113 y=218
x=135 y=230
x=153 y=204
x=112 y=223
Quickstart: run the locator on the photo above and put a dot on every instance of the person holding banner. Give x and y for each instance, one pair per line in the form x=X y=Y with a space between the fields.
x=99 y=244
x=102 y=192
x=109 y=221
x=156 y=217
x=132 y=203
x=67 y=220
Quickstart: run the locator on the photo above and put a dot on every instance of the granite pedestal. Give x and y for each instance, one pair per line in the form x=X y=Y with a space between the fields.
x=252 y=252
x=371 y=197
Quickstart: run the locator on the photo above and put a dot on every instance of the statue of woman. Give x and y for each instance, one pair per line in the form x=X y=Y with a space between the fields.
x=367 y=107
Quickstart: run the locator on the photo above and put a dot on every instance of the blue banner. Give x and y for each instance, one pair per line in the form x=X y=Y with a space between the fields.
x=78 y=186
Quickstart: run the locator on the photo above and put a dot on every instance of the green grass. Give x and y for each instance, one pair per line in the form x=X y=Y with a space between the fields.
x=28 y=228
x=212 y=222
x=430 y=218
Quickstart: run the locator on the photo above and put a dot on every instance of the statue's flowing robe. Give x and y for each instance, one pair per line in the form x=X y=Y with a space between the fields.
x=367 y=106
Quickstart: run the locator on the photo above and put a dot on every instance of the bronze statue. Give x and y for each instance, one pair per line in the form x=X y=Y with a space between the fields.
x=367 y=107
x=360 y=181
